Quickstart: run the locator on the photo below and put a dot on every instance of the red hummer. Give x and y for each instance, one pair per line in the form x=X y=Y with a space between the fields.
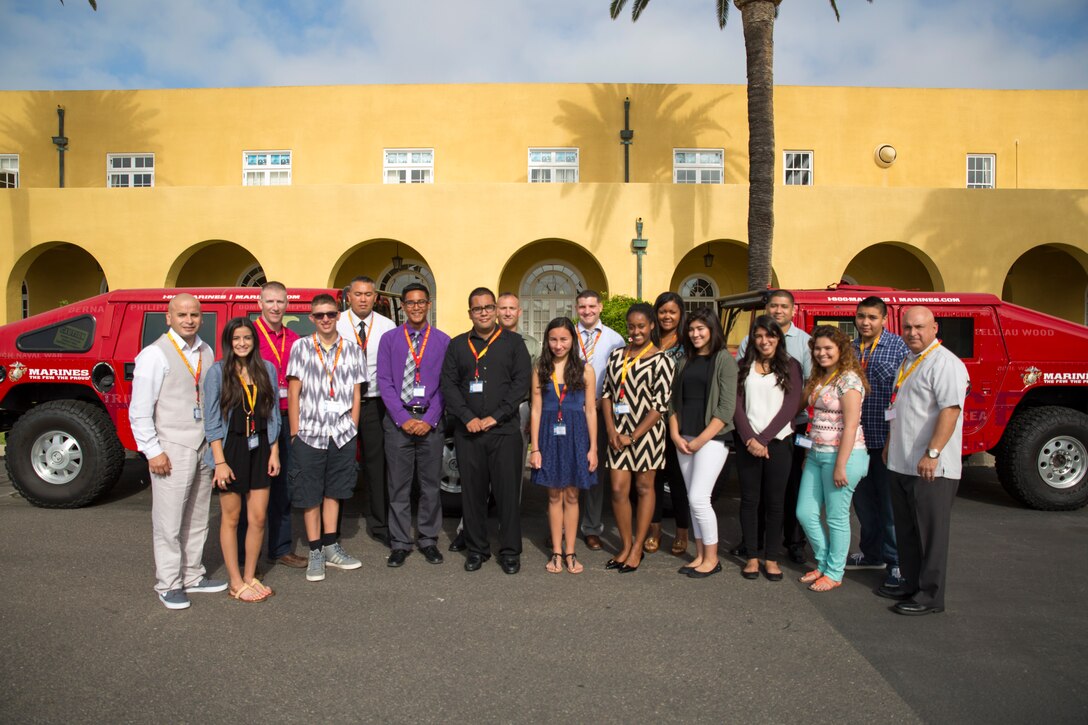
x=66 y=379
x=1028 y=400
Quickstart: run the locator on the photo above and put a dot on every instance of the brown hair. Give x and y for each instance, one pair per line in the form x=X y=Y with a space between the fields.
x=848 y=359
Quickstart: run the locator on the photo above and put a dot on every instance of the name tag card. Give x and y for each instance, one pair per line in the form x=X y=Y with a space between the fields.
x=621 y=408
x=476 y=386
x=197 y=414
x=889 y=414
x=283 y=393
x=332 y=406
x=419 y=391
x=802 y=441
x=559 y=429
x=253 y=441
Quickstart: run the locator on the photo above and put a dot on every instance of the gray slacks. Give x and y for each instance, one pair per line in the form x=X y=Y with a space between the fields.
x=179 y=518
x=408 y=457
x=923 y=516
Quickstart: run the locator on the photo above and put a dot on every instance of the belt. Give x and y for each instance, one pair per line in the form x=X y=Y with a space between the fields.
x=417 y=409
x=370 y=399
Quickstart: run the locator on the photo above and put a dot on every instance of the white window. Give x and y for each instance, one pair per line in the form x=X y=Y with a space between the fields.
x=266 y=168
x=410 y=270
x=698 y=166
x=698 y=292
x=547 y=292
x=252 y=277
x=980 y=171
x=9 y=171
x=124 y=170
x=553 y=166
x=797 y=166
x=408 y=166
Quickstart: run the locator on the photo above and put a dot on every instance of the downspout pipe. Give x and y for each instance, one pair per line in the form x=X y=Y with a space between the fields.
x=626 y=138
x=61 y=142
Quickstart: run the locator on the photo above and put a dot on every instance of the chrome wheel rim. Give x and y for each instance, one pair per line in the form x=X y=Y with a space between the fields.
x=1062 y=462
x=57 y=457
x=451 y=475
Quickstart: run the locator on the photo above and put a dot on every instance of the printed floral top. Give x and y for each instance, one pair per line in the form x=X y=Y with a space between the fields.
x=827 y=423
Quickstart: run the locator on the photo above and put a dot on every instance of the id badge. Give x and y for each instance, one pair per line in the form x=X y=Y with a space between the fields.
x=621 y=408
x=283 y=393
x=889 y=414
x=559 y=429
x=802 y=441
x=253 y=441
x=197 y=414
x=476 y=386
x=419 y=391
x=331 y=406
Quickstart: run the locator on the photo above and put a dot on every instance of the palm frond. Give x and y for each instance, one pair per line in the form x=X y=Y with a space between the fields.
x=835 y=7
x=637 y=7
x=616 y=8
x=723 y=12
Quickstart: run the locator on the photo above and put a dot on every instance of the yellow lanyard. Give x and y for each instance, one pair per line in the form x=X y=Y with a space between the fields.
x=559 y=395
x=194 y=373
x=251 y=398
x=821 y=387
x=902 y=376
x=271 y=345
x=628 y=363
x=587 y=354
x=479 y=355
x=335 y=361
x=863 y=356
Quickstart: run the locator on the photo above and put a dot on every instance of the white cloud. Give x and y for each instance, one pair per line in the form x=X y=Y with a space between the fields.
x=133 y=44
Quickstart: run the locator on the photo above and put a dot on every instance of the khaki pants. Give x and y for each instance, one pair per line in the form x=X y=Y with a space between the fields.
x=179 y=518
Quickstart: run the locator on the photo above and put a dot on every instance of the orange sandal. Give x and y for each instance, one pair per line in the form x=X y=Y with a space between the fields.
x=824 y=584
x=247 y=593
x=811 y=576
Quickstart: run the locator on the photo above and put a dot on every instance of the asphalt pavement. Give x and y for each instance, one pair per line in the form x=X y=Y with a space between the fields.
x=86 y=640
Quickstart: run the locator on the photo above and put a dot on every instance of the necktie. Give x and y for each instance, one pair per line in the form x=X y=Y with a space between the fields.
x=362 y=332
x=409 y=381
x=588 y=334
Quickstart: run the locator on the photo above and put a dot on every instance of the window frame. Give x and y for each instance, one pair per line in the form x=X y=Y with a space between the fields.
x=553 y=166
x=992 y=171
x=408 y=167
x=698 y=166
x=787 y=169
x=14 y=172
x=266 y=169
x=130 y=172
x=24 y=343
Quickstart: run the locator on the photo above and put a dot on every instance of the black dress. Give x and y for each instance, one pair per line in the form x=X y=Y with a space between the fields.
x=250 y=467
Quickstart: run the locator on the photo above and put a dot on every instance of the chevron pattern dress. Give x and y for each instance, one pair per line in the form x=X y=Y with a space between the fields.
x=649 y=382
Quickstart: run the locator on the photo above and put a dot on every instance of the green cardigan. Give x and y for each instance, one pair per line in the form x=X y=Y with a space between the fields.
x=723 y=390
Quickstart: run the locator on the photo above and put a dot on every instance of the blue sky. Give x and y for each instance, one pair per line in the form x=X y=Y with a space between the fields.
x=200 y=43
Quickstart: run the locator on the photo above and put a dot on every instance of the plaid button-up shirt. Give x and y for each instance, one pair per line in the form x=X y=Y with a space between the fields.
x=881 y=368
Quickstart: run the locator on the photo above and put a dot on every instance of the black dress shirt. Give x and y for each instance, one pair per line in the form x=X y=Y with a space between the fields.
x=504 y=370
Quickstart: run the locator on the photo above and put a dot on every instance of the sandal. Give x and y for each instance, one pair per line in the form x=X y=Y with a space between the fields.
x=679 y=545
x=824 y=584
x=246 y=593
x=811 y=576
x=259 y=586
x=555 y=563
x=651 y=545
x=573 y=565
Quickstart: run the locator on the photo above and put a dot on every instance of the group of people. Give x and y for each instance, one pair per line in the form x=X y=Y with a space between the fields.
x=282 y=422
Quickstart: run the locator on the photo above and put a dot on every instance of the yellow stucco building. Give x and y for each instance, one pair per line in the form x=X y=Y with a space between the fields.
x=303 y=184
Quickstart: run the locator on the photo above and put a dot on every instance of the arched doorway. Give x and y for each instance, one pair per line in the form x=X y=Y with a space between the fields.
x=547 y=275
x=1051 y=278
x=392 y=264
x=53 y=275
x=894 y=264
x=215 y=263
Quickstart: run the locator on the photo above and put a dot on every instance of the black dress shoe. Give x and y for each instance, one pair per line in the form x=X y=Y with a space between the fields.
x=625 y=569
x=913 y=608
x=510 y=564
x=750 y=574
x=897 y=593
x=458 y=543
x=431 y=554
x=797 y=554
x=684 y=570
x=612 y=564
x=696 y=574
x=740 y=550
x=397 y=558
x=474 y=562
x=775 y=577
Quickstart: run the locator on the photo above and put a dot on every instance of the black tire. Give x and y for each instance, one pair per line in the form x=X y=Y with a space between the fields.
x=1041 y=461
x=85 y=439
x=450 y=481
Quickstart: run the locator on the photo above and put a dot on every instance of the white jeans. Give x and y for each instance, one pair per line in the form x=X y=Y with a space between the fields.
x=700 y=472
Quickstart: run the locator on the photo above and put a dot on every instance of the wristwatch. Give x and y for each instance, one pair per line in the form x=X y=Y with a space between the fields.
x=933 y=453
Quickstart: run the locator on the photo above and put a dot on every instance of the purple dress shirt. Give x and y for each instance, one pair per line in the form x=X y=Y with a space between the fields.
x=392 y=354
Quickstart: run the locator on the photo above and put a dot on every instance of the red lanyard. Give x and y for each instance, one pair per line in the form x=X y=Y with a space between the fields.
x=194 y=373
x=629 y=363
x=483 y=352
x=419 y=358
x=559 y=394
x=587 y=354
x=335 y=361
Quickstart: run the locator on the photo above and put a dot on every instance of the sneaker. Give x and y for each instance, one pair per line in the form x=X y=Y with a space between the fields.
x=174 y=599
x=336 y=556
x=207 y=586
x=315 y=569
x=894 y=580
x=858 y=561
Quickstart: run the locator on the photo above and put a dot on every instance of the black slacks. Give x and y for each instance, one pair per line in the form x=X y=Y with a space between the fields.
x=490 y=463
x=372 y=466
x=923 y=516
x=763 y=485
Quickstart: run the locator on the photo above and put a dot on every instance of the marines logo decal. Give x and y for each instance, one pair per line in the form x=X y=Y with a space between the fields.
x=1031 y=375
x=17 y=371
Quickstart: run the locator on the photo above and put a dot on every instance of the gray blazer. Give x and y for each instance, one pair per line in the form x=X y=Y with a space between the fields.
x=722 y=400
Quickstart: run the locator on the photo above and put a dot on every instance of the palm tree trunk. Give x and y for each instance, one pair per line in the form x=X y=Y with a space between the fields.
x=758 y=20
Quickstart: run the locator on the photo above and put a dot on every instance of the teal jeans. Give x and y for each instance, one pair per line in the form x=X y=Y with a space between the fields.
x=819 y=492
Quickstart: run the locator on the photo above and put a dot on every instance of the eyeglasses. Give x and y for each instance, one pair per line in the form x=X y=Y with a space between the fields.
x=481 y=310
x=324 y=315
x=416 y=303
